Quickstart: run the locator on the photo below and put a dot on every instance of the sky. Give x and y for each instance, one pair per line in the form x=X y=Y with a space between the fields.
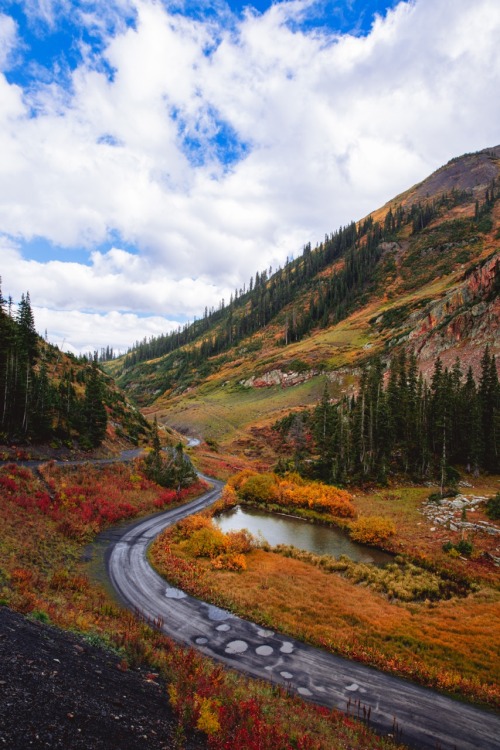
x=155 y=154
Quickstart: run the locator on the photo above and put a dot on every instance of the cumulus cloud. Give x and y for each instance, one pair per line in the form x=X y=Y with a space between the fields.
x=80 y=332
x=217 y=147
x=113 y=281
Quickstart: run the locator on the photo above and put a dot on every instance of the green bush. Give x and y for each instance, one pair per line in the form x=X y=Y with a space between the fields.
x=464 y=547
x=493 y=507
x=485 y=225
x=39 y=616
x=452 y=476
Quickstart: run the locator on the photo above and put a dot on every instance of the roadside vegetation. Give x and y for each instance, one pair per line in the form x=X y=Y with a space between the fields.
x=47 y=521
x=427 y=616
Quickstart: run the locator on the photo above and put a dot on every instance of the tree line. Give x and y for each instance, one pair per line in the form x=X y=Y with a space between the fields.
x=400 y=423
x=35 y=405
x=354 y=251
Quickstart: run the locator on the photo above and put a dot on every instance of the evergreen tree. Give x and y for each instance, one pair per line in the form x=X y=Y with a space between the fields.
x=410 y=426
x=489 y=405
x=470 y=425
x=324 y=431
x=95 y=417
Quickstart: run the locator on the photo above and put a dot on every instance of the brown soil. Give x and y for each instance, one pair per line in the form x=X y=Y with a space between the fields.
x=57 y=691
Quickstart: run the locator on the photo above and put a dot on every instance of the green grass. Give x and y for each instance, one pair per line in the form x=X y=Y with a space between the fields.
x=220 y=413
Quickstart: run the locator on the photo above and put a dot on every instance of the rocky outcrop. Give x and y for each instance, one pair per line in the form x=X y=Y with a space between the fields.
x=278 y=377
x=453 y=515
x=472 y=172
x=470 y=312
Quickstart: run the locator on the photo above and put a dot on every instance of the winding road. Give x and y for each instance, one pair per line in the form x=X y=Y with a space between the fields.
x=422 y=718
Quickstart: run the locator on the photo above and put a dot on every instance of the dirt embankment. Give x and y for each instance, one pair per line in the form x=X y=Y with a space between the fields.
x=59 y=692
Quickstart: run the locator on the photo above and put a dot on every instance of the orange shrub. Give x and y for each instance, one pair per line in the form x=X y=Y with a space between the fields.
x=240 y=542
x=372 y=529
x=228 y=497
x=316 y=496
x=230 y=562
x=185 y=528
x=292 y=491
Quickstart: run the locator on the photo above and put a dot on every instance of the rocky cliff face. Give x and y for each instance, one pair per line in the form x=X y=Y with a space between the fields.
x=463 y=321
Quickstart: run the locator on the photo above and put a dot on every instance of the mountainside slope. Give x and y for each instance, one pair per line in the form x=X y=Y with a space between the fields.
x=55 y=401
x=422 y=273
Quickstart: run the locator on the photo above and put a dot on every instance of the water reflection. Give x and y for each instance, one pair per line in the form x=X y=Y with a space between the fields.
x=279 y=529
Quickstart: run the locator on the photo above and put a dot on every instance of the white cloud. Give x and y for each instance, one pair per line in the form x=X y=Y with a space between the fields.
x=333 y=125
x=80 y=332
x=115 y=280
x=8 y=40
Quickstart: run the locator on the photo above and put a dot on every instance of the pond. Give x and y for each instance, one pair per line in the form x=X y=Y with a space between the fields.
x=281 y=529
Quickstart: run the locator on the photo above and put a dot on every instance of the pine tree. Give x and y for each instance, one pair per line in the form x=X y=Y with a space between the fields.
x=489 y=405
x=470 y=425
x=324 y=429
x=94 y=411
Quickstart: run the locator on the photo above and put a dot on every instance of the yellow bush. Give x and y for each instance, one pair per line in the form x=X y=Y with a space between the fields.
x=237 y=480
x=206 y=542
x=208 y=720
x=372 y=529
x=173 y=695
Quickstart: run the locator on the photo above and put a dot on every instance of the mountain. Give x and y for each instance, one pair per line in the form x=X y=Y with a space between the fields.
x=421 y=273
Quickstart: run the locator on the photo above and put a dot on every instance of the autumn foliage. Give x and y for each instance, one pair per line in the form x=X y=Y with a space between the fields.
x=42 y=573
x=372 y=529
x=85 y=499
x=200 y=537
x=292 y=491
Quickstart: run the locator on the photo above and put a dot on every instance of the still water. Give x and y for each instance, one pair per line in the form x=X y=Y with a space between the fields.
x=278 y=529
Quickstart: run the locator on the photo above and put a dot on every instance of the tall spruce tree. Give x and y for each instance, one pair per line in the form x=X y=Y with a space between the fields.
x=410 y=426
x=95 y=417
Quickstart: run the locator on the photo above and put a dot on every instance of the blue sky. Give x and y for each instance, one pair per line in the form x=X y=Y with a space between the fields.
x=156 y=154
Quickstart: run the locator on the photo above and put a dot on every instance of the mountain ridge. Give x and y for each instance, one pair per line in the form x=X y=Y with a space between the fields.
x=421 y=272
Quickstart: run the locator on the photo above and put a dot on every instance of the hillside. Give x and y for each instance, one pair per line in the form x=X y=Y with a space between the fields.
x=54 y=403
x=420 y=273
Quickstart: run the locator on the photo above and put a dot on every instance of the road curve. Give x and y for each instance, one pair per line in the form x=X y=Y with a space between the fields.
x=423 y=718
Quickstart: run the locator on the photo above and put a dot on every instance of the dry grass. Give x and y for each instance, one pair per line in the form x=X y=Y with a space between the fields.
x=438 y=643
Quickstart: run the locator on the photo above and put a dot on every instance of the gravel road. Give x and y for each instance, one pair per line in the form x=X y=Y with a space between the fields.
x=424 y=719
